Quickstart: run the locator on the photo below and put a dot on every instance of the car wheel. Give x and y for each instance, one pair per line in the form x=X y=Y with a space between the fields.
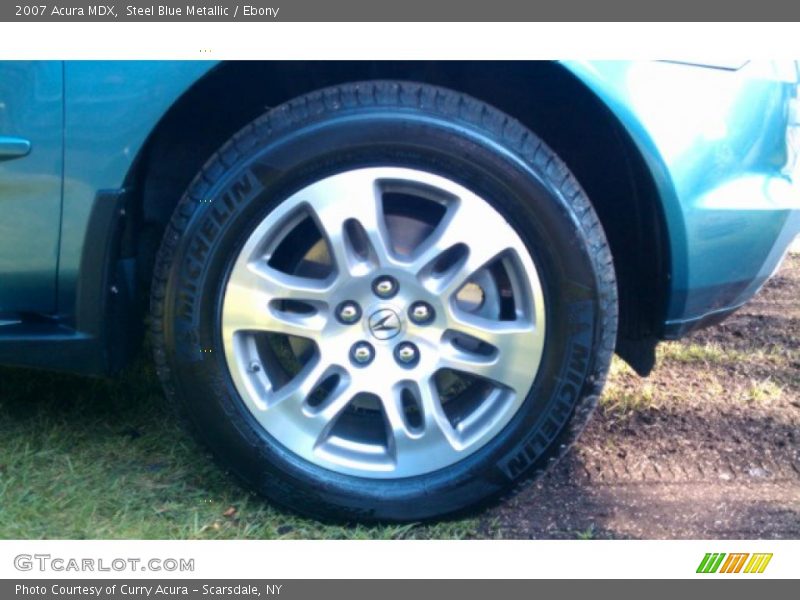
x=384 y=301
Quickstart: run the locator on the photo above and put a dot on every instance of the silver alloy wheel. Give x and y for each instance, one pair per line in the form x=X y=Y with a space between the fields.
x=399 y=414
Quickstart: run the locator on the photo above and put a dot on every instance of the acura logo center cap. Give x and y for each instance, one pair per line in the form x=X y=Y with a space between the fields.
x=384 y=324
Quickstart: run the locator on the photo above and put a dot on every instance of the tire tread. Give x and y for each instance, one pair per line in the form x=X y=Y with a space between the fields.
x=446 y=103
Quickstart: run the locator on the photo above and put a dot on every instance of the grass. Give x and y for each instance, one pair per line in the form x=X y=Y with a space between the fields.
x=763 y=391
x=713 y=354
x=627 y=393
x=619 y=397
x=625 y=401
x=105 y=459
x=692 y=353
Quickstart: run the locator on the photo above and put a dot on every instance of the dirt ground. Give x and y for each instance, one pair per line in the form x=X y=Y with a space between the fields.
x=708 y=446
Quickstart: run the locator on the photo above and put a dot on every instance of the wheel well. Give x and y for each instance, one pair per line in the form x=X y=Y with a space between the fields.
x=544 y=96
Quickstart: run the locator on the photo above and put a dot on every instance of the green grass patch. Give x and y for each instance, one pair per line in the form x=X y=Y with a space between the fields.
x=621 y=397
x=762 y=392
x=88 y=459
x=684 y=352
x=714 y=354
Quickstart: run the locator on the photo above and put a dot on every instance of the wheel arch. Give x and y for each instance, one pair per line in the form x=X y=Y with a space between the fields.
x=553 y=99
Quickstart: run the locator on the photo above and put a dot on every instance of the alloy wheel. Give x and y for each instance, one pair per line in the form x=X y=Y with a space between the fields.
x=383 y=322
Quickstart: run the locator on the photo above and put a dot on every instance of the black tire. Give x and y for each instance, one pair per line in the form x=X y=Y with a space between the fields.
x=402 y=124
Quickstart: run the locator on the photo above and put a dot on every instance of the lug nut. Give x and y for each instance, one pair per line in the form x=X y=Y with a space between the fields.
x=362 y=353
x=385 y=287
x=348 y=312
x=406 y=354
x=421 y=313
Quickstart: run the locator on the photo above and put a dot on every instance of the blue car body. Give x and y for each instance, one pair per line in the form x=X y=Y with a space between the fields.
x=718 y=143
x=722 y=146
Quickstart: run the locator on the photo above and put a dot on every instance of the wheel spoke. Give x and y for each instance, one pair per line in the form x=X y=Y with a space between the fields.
x=436 y=434
x=257 y=317
x=505 y=352
x=288 y=407
x=351 y=197
x=438 y=429
x=299 y=325
x=489 y=368
x=300 y=387
x=279 y=285
x=250 y=303
x=463 y=230
x=401 y=436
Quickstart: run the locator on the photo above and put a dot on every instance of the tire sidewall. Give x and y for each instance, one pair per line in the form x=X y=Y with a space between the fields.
x=278 y=163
